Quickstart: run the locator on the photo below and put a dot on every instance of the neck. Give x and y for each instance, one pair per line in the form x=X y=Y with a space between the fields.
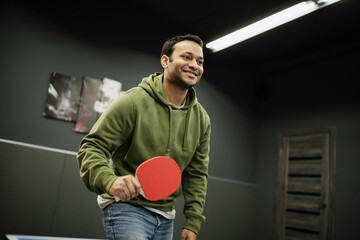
x=174 y=94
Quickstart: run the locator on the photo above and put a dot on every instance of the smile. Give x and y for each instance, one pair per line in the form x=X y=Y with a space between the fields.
x=191 y=74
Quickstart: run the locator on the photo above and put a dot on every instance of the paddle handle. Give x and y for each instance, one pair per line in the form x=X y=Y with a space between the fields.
x=117 y=199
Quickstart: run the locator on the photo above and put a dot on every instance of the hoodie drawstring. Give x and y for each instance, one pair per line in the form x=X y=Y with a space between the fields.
x=186 y=129
x=184 y=147
x=170 y=133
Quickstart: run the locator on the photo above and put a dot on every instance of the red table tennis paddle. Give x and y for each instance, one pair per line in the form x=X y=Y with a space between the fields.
x=159 y=177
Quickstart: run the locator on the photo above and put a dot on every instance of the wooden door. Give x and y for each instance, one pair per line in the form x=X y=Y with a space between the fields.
x=305 y=185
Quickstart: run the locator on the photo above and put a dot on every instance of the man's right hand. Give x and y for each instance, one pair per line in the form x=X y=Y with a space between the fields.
x=125 y=188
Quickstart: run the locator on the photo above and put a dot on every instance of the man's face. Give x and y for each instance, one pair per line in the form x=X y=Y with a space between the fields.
x=185 y=65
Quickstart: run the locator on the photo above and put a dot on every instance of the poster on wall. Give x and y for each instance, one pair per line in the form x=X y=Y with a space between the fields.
x=96 y=97
x=89 y=95
x=63 y=97
x=110 y=90
x=80 y=100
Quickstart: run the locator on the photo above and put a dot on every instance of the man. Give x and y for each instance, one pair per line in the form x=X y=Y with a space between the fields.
x=160 y=117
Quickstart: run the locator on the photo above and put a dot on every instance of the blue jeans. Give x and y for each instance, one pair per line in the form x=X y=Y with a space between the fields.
x=123 y=221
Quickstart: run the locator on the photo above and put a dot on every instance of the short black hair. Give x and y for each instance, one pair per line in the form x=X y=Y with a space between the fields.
x=168 y=46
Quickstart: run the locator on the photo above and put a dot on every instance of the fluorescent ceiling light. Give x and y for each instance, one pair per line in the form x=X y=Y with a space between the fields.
x=268 y=23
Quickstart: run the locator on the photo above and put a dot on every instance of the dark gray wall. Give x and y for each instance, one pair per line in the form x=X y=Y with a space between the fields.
x=315 y=95
x=44 y=196
x=244 y=145
x=31 y=49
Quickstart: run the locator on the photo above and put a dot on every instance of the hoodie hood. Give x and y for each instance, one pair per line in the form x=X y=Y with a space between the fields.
x=154 y=86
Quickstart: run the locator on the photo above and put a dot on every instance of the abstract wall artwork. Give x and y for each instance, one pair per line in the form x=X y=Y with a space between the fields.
x=80 y=100
x=63 y=97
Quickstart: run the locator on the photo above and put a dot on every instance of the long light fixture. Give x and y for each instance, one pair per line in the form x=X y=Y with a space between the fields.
x=268 y=23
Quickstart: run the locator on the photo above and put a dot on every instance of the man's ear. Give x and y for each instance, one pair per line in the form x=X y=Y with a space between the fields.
x=164 y=61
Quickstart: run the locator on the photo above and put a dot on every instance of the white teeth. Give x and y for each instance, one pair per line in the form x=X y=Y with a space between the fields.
x=191 y=74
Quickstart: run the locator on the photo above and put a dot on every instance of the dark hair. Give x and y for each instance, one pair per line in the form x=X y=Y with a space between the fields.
x=168 y=46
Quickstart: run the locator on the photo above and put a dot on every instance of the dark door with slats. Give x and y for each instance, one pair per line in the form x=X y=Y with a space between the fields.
x=305 y=185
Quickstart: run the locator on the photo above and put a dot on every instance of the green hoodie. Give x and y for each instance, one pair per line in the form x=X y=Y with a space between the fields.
x=142 y=124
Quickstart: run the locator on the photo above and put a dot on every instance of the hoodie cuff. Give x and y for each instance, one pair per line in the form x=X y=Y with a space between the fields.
x=104 y=183
x=193 y=223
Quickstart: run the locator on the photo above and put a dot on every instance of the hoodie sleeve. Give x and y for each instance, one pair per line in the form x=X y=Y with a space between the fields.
x=109 y=132
x=194 y=184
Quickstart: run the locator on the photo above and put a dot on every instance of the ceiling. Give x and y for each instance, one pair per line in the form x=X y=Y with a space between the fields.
x=145 y=25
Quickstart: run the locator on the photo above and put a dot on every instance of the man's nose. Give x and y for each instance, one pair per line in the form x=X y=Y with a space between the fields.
x=193 y=64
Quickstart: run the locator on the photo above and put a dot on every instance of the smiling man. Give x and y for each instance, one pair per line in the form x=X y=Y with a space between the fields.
x=160 y=117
